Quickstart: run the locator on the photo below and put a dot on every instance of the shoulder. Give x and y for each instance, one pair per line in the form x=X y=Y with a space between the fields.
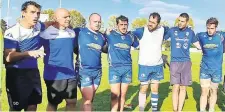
x=39 y=26
x=173 y=29
x=12 y=32
x=201 y=35
x=190 y=30
x=140 y=29
x=78 y=29
x=50 y=33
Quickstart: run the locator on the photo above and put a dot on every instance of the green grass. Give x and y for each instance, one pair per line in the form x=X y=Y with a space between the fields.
x=102 y=98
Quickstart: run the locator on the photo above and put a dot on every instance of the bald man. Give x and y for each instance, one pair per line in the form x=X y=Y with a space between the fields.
x=90 y=42
x=59 y=73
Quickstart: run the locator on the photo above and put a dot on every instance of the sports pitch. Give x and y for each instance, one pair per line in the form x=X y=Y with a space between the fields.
x=102 y=98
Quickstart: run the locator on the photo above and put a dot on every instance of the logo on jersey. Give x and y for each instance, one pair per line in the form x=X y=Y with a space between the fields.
x=186 y=39
x=9 y=35
x=122 y=46
x=87 y=79
x=178 y=45
x=210 y=46
x=210 y=38
x=71 y=34
x=143 y=75
x=187 y=34
x=185 y=46
x=122 y=37
x=94 y=46
x=96 y=37
x=175 y=33
x=128 y=78
x=114 y=77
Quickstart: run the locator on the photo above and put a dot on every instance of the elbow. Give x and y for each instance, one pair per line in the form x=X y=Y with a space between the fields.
x=8 y=57
x=8 y=60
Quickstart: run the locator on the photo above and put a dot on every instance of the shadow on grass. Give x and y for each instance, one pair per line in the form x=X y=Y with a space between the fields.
x=221 y=98
x=102 y=99
x=163 y=94
x=196 y=94
x=164 y=91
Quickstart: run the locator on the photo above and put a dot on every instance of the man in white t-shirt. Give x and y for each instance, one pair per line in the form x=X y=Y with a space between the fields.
x=150 y=59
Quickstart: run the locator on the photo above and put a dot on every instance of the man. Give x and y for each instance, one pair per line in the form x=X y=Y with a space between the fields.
x=59 y=73
x=90 y=45
x=212 y=43
x=21 y=44
x=180 y=67
x=120 y=63
x=150 y=59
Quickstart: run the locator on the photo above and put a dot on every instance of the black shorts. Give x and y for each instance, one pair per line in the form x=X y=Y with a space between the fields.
x=23 y=87
x=57 y=90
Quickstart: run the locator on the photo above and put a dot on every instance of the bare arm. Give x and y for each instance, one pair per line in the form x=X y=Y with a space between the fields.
x=197 y=45
x=12 y=55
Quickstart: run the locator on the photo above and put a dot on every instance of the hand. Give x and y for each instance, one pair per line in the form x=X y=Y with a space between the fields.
x=108 y=30
x=36 y=54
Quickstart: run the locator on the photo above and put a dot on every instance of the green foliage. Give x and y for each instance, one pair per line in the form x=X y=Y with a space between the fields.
x=139 y=22
x=50 y=13
x=112 y=22
x=77 y=20
x=164 y=23
x=3 y=26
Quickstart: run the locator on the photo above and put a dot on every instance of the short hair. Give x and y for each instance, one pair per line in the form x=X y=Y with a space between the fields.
x=121 y=18
x=185 y=15
x=212 y=20
x=156 y=15
x=27 y=3
x=93 y=14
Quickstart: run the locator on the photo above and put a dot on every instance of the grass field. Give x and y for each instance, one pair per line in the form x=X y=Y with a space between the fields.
x=102 y=99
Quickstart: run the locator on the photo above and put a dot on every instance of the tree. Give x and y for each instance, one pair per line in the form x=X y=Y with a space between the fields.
x=77 y=20
x=164 y=23
x=112 y=22
x=3 y=25
x=190 y=23
x=139 y=22
x=50 y=13
x=102 y=29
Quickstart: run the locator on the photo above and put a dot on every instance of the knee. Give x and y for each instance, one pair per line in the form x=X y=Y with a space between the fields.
x=71 y=101
x=115 y=95
x=87 y=102
x=204 y=92
x=143 y=89
x=123 y=95
x=182 y=88
x=154 y=90
x=213 y=91
x=32 y=108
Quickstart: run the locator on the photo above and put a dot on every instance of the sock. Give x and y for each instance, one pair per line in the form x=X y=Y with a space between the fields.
x=154 y=101
x=142 y=100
